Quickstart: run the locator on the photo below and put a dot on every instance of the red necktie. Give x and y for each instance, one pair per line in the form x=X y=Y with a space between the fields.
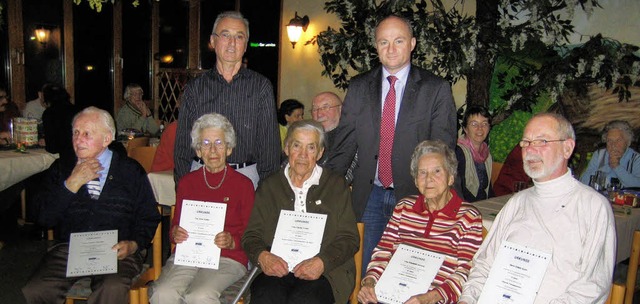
x=387 y=131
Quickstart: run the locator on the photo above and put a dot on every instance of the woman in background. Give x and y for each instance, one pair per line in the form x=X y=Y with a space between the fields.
x=290 y=111
x=474 y=158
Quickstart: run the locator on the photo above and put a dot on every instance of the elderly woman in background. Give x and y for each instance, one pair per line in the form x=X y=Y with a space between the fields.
x=474 y=158
x=437 y=220
x=617 y=160
x=8 y=111
x=291 y=110
x=135 y=114
x=213 y=138
x=305 y=187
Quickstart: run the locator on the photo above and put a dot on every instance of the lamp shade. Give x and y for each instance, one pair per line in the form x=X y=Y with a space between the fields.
x=42 y=35
x=296 y=26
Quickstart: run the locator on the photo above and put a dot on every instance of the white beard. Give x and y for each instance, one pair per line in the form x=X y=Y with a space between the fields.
x=543 y=171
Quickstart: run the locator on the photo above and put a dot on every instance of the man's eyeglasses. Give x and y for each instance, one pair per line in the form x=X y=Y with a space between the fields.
x=4 y=96
x=537 y=142
x=226 y=37
x=324 y=108
x=217 y=144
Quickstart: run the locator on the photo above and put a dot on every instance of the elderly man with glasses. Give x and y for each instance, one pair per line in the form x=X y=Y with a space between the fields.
x=617 y=159
x=559 y=218
x=240 y=94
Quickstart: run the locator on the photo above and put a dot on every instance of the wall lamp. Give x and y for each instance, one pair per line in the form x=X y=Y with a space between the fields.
x=42 y=35
x=296 y=26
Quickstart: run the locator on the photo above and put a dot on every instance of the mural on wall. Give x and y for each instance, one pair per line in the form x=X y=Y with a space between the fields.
x=515 y=55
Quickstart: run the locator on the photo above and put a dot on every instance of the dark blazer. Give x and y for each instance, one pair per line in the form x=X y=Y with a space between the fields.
x=126 y=203
x=427 y=112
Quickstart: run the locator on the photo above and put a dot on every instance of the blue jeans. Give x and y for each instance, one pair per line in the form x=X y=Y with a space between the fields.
x=376 y=215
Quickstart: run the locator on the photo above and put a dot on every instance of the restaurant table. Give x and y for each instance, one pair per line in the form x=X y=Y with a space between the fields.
x=626 y=224
x=164 y=188
x=17 y=166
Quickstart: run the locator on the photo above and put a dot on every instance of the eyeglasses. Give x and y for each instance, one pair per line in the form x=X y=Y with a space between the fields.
x=537 y=142
x=4 y=96
x=217 y=144
x=324 y=108
x=226 y=37
x=477 y=125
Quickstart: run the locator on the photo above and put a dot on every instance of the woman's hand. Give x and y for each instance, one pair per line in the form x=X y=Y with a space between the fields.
x=430 y=297
x=179 y=234
x=367 y=292
x=224 y=240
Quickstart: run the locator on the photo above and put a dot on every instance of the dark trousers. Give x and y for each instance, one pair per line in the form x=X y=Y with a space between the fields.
x=49 y=283
x=289 y=289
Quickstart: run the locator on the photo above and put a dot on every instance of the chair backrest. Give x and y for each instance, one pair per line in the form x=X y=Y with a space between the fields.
x=139 y=293
x=144 y=155
x=616 y=295
x=632 y=273
x=137 y=142
x=353 y=299
x=495 y=171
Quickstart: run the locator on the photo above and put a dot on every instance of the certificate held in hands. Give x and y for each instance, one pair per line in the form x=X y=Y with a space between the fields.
x=298 y=236
x=515 y=276
x=410 y=272
x=202 y=220
x=90 y=253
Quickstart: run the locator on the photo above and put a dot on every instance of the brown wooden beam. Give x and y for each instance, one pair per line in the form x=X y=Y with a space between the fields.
x=194 y=35
x=117 y=57
x=69 y=66
x=16 y=53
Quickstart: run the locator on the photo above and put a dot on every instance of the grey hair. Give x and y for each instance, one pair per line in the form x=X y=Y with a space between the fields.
x=213 y=120
x=438 y=147
x=565 y=129
x=129 y=88
x=309 y=125
x=621 y=125
x=232 y=15
x=105 y=118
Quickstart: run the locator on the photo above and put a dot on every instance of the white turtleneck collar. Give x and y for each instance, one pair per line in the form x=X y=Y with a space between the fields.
x=556 y=187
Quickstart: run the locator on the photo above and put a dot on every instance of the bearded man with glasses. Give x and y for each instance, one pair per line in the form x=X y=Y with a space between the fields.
x=558 y=216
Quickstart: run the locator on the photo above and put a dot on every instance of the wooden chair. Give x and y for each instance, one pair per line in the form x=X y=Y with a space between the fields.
x=353 y=299
x=139 y=291
x=616 y=295
x=632 y=273
x=484 y=232
x=137 y=142
x=495 y=171
x=144 y=155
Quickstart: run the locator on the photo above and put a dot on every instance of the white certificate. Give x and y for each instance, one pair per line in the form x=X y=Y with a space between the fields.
x=90 y=253
x=298 y=236
x=202 y=220
x=409 y=272
x=515 y=276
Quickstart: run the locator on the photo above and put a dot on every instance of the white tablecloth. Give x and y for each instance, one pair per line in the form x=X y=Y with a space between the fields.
x=164 y=188
x=626 y=224
x=15 y=166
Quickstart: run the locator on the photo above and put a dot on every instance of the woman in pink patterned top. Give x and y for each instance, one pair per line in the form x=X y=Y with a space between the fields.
x=437 y=220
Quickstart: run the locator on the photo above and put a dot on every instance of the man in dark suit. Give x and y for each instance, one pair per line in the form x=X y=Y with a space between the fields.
x=386 y=113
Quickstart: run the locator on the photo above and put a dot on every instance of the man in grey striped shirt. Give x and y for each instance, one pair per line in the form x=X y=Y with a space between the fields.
x=242 y=95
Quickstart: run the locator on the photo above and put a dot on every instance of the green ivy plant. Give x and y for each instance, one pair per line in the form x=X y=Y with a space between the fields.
x=97 y=4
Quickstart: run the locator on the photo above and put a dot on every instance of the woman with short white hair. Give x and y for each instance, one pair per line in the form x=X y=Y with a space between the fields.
x=213 y=138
